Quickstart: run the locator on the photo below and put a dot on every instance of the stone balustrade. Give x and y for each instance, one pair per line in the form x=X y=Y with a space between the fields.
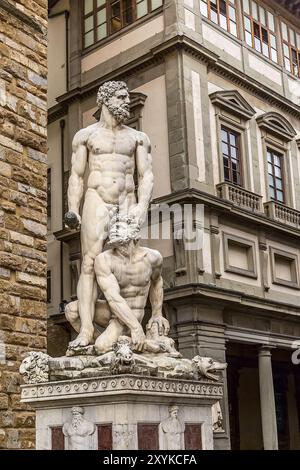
x=240 y=197
x=282 y=213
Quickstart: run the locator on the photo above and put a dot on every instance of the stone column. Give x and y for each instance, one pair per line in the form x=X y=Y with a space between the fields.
x=267 y=399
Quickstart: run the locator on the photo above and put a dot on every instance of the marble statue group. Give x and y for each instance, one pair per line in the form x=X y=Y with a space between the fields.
x=111 y=218
x=114 y=350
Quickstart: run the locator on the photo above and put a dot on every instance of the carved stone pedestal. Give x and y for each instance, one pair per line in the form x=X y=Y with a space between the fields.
x=124 y=412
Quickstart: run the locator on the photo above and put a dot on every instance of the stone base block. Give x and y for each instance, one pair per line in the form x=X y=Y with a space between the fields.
x=124 y=412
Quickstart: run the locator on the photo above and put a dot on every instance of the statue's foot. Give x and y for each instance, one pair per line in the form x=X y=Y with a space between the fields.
x=83 y=339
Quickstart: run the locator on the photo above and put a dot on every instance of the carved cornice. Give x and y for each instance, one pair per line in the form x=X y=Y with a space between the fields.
x=224 y=207
x=182 y=42
x=120 y=385
x=233 y=101
x=31 y=21
x=56 y=112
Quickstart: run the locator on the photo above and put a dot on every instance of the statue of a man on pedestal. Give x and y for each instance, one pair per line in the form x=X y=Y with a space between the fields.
x=113 y=151
x=78 y=431
x=171 y=431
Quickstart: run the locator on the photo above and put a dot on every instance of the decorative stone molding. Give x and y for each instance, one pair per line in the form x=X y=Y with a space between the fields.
x=249 y=245
x=293 y=260
x=275 y=123
x=233 y=102
x=120 y=385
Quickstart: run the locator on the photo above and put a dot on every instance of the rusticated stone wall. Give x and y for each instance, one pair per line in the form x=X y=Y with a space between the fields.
x=23 y=217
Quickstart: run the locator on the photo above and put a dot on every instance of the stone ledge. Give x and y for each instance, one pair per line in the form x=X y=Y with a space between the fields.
x=100 y=387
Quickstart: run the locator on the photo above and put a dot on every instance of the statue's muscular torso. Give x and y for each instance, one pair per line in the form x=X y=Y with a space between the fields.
x=112 y=162
x=134 y=275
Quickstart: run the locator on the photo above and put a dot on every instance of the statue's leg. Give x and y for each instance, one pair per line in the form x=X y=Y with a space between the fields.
x=106 y=340
x=102 y=315
x=72 y=315
x=93 y=233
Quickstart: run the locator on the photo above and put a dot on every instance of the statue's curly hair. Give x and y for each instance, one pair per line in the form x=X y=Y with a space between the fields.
x=107 y=90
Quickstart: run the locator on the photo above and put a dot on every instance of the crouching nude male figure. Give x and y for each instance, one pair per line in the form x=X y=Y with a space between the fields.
x=112 y=151
x=126 y=274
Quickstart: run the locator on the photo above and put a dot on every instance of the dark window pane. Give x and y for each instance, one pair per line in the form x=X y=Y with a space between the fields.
x=256 y=30
x=116 y=9
x=264 y=34
x=294 y=56
x=226 y=174
x=223 y=6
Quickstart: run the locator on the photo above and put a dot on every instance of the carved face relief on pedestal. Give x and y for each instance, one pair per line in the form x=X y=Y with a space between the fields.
x=78 y=431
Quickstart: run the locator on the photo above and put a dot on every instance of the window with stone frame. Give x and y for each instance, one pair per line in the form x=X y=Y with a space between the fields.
x=259 y=29
x=231 y=156
x=275 y=175
x=102 y=18
x=291 y=49
x=221 y=12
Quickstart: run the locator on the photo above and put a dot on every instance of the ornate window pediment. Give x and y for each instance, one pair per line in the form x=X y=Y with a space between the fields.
x=276 y=124
x=233 y=102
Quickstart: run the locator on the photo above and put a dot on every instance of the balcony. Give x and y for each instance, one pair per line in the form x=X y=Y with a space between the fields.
x=240 y=197
x=282 y=213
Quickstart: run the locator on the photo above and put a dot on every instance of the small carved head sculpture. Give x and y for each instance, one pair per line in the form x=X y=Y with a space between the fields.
x=173 y=411
x=77 y=411
x=115 y=96
x=35 y=368
x=122 y=230
x=123 y=351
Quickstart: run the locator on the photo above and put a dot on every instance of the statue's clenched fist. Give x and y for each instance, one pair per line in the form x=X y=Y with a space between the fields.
x=72 y=220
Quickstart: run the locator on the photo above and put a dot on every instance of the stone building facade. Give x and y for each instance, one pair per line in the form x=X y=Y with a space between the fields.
x=23 y=207
x=215 y=85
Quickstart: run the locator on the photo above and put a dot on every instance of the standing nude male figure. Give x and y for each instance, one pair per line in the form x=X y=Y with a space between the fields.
x=112 y=152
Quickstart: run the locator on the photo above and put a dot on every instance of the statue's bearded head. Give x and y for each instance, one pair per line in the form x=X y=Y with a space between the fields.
x=122 y=231
x=115 y=96
x=77 y=414
x=173 y=411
